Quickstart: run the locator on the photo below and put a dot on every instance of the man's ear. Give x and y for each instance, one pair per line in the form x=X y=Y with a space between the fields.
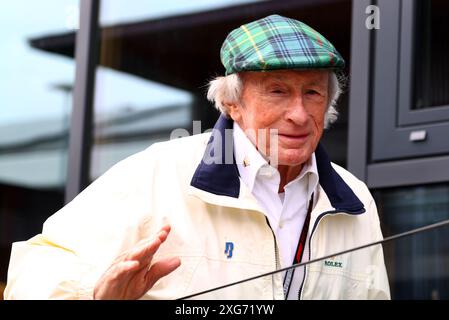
x=234 y=111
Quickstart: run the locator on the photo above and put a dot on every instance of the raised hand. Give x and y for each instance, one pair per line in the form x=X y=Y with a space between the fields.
x=132 y=273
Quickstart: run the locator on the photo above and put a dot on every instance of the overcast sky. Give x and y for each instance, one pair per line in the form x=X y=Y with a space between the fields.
x=29 y=78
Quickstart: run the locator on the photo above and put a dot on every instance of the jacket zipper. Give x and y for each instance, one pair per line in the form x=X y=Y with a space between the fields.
x=310 y=250
x=318 y=220
x=276 y=253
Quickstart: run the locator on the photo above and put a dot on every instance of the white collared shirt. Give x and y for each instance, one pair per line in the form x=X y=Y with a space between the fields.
x=286 y=212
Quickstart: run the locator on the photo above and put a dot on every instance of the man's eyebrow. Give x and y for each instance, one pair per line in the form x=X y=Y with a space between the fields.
x=312 y=83
x=316 y=84
x=281 y=78
x=271 y=78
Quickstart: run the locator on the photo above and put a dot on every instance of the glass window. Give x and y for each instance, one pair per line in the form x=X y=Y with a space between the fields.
x=417 y=265
x=36 y=88
x=431 y=63
x=151 y=77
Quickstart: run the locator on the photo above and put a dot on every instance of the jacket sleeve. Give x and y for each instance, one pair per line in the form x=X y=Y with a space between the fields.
x=40 y=269
x=378 y=286
x=79 y=242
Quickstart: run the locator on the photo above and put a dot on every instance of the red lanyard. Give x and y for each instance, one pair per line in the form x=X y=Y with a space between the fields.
x=303 y=237
x=299 y=250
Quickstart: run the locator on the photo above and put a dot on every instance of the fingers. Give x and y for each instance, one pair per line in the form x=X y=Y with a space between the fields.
x=130 y=275
x=166 y=228
x=161 y=269
x=127 y=266
x=110 y=285
x=146 y=249
x=122 y=270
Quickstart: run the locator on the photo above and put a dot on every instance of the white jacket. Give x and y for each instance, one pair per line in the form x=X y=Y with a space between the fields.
x=207 y=207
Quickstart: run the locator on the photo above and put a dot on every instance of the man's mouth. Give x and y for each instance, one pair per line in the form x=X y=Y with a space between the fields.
x=293 y=138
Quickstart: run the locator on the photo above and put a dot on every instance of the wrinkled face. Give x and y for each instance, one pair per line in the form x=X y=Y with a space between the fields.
x=293 y=102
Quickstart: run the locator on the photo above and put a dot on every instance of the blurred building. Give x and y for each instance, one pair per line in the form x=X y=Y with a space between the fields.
x=145 y=74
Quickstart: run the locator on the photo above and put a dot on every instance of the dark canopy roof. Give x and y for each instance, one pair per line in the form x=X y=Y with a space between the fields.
x=183 y=51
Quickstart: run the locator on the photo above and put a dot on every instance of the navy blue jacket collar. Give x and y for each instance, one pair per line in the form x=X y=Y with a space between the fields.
x=222 y=178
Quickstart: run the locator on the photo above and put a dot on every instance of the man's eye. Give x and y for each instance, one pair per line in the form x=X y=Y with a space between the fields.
x=277 y=91
x=312 y=92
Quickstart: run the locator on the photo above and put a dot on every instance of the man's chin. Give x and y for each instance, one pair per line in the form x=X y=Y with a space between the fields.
x=292 y=162
x=293 y=158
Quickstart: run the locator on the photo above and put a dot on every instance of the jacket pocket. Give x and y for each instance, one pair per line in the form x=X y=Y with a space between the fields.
x=329 y=281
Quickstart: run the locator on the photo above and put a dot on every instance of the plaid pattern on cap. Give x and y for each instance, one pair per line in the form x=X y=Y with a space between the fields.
x=276 y=42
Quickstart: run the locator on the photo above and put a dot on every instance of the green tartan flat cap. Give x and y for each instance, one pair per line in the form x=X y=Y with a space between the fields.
x=277 y=42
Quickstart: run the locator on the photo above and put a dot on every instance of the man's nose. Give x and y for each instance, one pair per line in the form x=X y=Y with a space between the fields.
x=296 y=112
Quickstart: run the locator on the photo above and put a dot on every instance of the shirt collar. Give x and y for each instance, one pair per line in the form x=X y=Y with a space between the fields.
x=309 y=171
x=249 y=162
x=222 y=179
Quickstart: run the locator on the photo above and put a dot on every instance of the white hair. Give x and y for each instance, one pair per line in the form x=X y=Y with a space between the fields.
x=229 y=89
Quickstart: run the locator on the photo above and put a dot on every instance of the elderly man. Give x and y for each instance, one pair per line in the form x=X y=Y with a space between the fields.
x=257 y=194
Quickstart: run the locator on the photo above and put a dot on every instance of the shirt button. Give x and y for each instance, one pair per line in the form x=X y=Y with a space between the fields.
x=281 y=224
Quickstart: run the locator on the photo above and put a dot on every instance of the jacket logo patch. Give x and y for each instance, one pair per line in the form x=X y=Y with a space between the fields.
x=334 y=264
x=229 y=249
